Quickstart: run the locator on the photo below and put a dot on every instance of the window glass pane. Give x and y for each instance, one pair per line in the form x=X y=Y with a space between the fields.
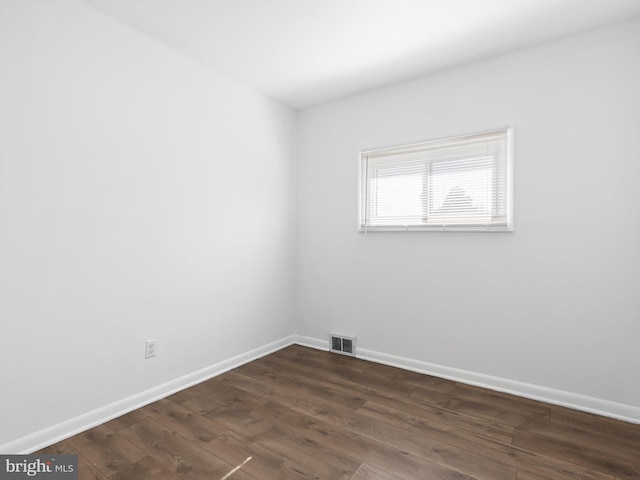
x=460 y=182
x=461 y=191
x=397 y=195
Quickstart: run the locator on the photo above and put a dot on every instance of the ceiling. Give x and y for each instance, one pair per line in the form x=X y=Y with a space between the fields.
x=306 y=52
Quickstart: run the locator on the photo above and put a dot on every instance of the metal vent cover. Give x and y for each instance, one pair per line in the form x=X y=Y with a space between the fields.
x=342 y=344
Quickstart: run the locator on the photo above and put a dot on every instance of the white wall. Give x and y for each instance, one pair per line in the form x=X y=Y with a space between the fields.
x=141 y=196
x=554 y=304
x=144 y=196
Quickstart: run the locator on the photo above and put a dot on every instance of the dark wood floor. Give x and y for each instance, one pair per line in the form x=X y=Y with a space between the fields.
x=306 y=414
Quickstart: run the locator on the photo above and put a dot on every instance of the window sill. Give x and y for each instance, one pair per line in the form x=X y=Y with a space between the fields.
x=439 y=228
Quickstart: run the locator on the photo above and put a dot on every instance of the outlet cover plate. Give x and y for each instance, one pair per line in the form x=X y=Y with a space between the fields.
x=151 y=348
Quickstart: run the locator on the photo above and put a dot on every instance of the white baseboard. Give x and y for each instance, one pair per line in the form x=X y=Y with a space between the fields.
x=312 y=342
x=36 y=441
x=575 y=401
x=73 y=426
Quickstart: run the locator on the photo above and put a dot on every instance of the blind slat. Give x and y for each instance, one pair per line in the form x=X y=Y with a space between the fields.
x=460 y=181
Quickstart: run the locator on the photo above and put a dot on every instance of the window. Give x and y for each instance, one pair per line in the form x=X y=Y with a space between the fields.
x=460 y=183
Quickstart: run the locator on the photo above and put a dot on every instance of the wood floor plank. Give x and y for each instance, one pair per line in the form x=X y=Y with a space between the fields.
x=378 y=382
x=524 y=475
x=432 y=397
x=371 y=451
x=228 y=416
x=276 y=450
x=176 y=453
x=86 y=471
x=622 y=448
x=228 y=396
x=126 y=420
x=442 y=454
x=264 y=464
x=144 y=469
x=295 y=371
x=191 y=425
x=429 y=413
x=504 y=459
x=322 y=360
x=303 y=380
x=301 y=413
x=367 y=472
x=420 y=380
x=322 y=463
x=589 y=422
x=106 y=450
x=506 y=454
x=184 y=395
x=414 y=441
x=432 y=428
x=283 y=419
x=589 y=457
x=497 y=406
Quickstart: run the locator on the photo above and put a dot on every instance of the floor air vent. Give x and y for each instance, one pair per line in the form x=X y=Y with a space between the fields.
x=342 y=344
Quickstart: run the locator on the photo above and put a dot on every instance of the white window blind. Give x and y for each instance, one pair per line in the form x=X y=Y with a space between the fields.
x=460 y=183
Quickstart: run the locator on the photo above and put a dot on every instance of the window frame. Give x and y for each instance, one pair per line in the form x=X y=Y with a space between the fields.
x=476 y=227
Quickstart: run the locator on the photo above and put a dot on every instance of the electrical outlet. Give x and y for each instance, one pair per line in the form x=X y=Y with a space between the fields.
x=150 y=348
